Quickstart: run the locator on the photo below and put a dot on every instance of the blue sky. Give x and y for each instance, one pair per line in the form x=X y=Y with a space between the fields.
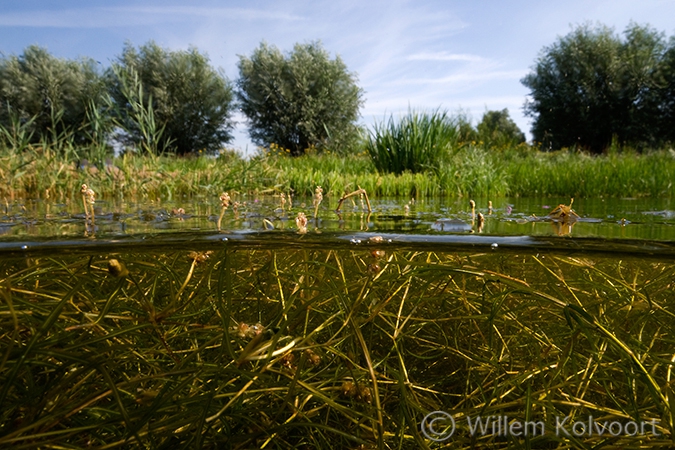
x=424 y=54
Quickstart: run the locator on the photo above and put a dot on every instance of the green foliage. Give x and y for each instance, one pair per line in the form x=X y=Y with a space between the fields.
x=591 y=86
x=50 y=100
x=418 y=142
x=667 y=92
x=299 y=101
x=171 y=101
x=472 y=170
x=576 y=174
x=498 y=130
x=140 y=112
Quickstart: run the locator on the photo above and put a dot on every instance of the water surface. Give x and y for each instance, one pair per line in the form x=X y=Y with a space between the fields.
x=649 y=219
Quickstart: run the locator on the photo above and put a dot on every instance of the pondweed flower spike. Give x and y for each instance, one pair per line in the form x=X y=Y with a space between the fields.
x=473 y=210
x=83 y=191
x=480 y=222
x=301 y=222
x=283 y=202
x=224 y=203
x=318 y=197
x=88 y=199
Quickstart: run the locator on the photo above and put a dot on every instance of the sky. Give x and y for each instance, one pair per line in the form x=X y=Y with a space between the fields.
x=458 y=55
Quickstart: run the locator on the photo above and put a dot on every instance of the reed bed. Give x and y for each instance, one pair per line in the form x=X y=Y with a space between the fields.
x=330 y=348
x=471 y=171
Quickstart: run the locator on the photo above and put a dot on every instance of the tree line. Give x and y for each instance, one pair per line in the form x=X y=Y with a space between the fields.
x=589 y=89
x=157 y=100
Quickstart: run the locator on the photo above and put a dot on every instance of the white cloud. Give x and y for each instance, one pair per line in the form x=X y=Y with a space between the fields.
x=211 y=13
x=444 y=56
x=128 y=16
x=464 y=78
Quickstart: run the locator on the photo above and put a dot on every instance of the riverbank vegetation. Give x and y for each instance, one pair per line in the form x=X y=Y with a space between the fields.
x=472 y=170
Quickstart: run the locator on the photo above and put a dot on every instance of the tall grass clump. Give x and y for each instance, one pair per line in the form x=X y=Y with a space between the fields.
x=418 y=142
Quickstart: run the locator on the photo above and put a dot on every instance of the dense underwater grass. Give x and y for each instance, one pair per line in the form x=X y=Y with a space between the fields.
x=292 y=347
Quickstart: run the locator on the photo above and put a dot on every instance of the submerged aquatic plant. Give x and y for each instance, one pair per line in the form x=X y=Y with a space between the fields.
x=330 y=347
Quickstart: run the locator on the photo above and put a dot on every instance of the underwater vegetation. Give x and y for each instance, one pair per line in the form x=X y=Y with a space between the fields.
x=229 y=346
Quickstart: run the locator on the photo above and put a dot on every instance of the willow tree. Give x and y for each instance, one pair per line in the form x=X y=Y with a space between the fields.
x=53 y=100
x=497 y=129
x=300 y=100
x=592 y=86
x=171 y=101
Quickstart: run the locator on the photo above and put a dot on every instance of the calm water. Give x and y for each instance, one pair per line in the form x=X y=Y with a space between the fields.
x=614 y=219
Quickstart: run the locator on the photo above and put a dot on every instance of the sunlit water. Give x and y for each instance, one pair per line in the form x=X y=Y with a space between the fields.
x=615 y=225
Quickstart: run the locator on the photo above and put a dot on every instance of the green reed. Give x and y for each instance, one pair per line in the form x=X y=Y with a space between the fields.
x=417 y=142
x=328 y=348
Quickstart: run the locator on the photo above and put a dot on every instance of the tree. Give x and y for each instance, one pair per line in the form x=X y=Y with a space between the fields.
x=299 y=101
x=591 y=87
x=642 y=82
x=175 y=99
x=667 y=94
x=58 y=100
x=497 y=129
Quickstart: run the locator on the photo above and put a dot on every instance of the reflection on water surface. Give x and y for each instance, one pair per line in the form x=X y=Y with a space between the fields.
x=652 y=219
